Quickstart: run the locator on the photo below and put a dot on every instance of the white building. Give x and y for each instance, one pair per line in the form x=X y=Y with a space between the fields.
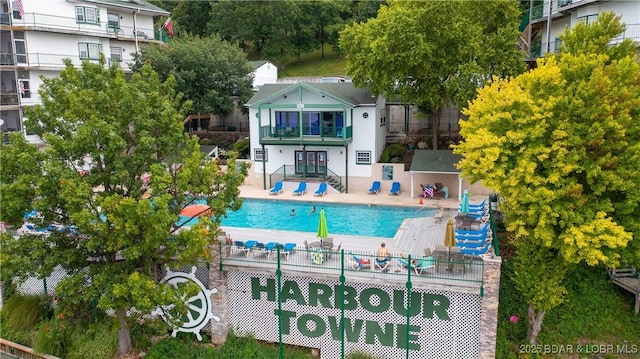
x=546 y=26
x=329 y=132
x=36 y=35
x=264 y=73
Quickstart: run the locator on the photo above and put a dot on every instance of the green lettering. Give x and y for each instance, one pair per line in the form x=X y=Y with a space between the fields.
x=286 y=320
x=413 y=340
x=435 y=304
x=350 y=302
x=374 y=330
x=334 y=327
x=290 y=290
x=352 y=332
x=320 y=293
x=269 y=288
x=381 y=307
x=319 y=326
x=400 y=308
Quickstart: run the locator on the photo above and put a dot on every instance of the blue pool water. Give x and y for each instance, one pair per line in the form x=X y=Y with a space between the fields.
x=351 y=219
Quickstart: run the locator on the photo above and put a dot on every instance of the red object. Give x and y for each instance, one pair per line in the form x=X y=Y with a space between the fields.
x=513 y=319
x=420 y=200
x=20 y=7
x=169 y=26
x=196 y=210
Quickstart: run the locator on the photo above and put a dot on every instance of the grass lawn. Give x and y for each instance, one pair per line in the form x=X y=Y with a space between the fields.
x=312 y=64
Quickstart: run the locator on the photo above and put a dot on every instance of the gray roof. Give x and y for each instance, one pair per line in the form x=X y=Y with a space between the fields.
x=434 y=161
x=144 y=7
x=342 y=91
x=258 y=63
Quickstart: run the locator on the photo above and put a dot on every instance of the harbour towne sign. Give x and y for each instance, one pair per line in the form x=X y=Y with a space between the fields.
x=308 y=312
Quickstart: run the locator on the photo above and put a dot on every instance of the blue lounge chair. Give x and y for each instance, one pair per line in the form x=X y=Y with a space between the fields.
x=395 y=188
x=421 y=265
x=375 y=187
x=322 y=190
x=243 y=247
x=277 y=189
x=288 y=248
x=476 y=251
x=302 y=189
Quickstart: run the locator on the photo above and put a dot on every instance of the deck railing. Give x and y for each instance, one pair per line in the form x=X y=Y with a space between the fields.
x=465 y=272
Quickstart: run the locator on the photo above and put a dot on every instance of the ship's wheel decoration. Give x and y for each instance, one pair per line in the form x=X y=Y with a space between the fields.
x=199 y=306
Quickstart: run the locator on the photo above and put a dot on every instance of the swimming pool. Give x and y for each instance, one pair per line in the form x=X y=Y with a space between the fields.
x=350 y=219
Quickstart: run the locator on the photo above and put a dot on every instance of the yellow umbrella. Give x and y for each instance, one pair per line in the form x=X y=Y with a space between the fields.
x=449 y=234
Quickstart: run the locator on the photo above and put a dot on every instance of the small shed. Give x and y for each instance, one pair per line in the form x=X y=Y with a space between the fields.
x=435 y=162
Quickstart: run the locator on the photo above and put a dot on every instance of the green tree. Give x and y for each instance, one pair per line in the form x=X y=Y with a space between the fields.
x=432 y=52
x=561 y=144
x=120 y=232
x=191 y=18
x=208 y=72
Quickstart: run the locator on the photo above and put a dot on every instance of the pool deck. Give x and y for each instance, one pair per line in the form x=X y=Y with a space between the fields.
x=412 y=237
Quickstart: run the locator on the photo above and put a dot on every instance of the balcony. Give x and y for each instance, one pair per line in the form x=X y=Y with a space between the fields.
x=307 y=135
x=45 y=61
x=68 y=25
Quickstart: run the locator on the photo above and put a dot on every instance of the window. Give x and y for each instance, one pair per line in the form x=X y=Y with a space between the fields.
x=116 y=54
x=589 y=19
x=113 y=21
x=17 y=6
x=89 y=51
x=259 y=155
x=87 y=15
x=24 y=88
x=363 y=157
x=383 y=117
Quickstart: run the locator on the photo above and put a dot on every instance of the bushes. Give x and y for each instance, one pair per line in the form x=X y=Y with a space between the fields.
x=393 y=153
x=242 y=147
x=25 y=312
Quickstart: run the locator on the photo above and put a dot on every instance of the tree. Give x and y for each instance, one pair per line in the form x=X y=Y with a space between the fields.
x=116 y=232
x=209 y=72
x=431 y=52
x=561 y=144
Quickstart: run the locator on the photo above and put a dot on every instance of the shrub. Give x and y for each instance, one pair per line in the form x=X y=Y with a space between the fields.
x=24 y=312
x=96 y=341
x=242 y=147
x=393 y=153
x=52 y=338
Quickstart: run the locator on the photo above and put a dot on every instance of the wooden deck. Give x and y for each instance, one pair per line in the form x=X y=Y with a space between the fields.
x=628 y=279
x=411 y=238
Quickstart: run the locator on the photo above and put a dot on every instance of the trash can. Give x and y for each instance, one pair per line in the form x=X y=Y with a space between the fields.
x=493 y=201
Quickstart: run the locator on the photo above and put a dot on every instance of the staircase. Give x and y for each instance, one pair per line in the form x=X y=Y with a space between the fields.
x=333 y=182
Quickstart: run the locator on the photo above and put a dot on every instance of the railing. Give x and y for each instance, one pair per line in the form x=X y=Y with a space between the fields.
x=39 y=59
x=632 y=32
x=463 y=272
x=65 y=23
x=330 y=175
x=12 y=350
x=305 y=132
x=279 y=174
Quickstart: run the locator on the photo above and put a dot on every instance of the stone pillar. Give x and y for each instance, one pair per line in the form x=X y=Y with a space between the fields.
x=490 y=301
x=219 y=300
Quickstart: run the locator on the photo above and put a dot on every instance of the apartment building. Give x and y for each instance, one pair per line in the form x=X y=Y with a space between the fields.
x=36 y=35
x=549 y=18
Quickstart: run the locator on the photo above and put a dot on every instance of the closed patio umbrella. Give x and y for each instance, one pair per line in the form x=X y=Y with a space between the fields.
x=323 y=232
x=464 y=206
x=449 y=234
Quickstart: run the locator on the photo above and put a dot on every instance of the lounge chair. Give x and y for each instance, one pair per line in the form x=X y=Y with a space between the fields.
x=288 y=248
x=302 y=189
x=383 y=264
x=277 y=188
x=360 y=263
x=322 y=189
x=272 y=247
x=395 y=188
x=243 y=247
x=258 y=249
x=420 y=265
x=375 y=187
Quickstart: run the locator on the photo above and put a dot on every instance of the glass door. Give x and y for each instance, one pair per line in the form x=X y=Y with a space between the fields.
x=315 y=163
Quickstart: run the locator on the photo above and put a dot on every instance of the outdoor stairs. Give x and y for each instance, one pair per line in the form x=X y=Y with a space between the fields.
x=335 y=184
